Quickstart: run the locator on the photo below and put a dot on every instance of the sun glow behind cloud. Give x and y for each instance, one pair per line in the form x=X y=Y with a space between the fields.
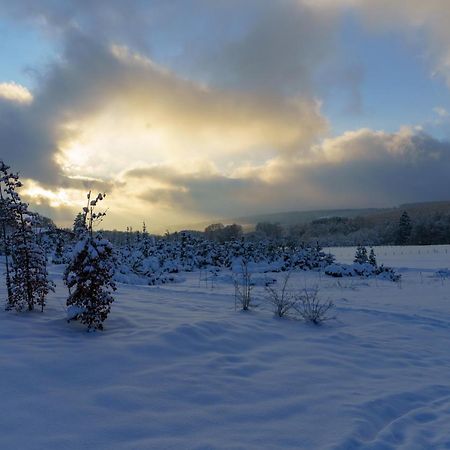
x=54 y=198
x=152 y=117
x=191 y=123
x=110 y=143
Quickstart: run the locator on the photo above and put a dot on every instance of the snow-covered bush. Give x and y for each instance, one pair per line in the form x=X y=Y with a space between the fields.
x=363 y=267
x=372 y=258
x=281 y=298
x=442 y=273
x=243 y=287
x=311 y=309
x=387 y=273
x=152 y=260
x=339 y=270
x=89 y=275
x=361 y=255
x=61 y=249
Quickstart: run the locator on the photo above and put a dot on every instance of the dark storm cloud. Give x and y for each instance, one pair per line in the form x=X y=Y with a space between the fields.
x=281 y=49
x=30 y=133
x=270 y=44
x=27 y=141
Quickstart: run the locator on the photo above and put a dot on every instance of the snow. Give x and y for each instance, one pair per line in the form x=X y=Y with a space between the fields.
x=178 y=368
x=423 y=257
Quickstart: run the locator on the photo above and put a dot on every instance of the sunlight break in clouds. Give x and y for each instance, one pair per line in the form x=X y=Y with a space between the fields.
x=202 y=110
x=54 y=198
x=156 y=117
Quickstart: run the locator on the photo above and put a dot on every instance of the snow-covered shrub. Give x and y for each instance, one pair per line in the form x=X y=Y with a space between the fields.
x=442 y=273
x=146 y=242
x=363 y=267
x=89 y=275
x=58 y=255
x=281 y=299
x=243 y=287
x=311 y=309
x=61 y=248
x=387 y=273
x=372 y=258
x=338 y=270
x=361 y=255
x=154 y=260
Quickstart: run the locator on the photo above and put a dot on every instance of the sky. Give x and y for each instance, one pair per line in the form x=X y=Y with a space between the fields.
x=189 y=111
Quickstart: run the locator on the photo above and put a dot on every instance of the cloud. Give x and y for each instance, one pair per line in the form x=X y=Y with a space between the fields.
x=387 y=168
x=28 y=141
x=102 y=110
x=101 y=100
x=92 y=102
x=282 y=48
x=441 y=112
x=15 y=93
x=203 y=192
x=424 y=22
x=360 y=168
x=256 y=44
x=375 y=168
x=188 y=115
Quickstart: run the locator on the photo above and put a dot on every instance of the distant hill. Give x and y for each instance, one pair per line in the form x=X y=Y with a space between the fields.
x=285 y=218
x=301 y=217
x=415 y=211
x=373 y=215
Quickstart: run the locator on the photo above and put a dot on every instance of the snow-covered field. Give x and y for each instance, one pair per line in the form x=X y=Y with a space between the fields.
x=422 y=257
x=178 y=368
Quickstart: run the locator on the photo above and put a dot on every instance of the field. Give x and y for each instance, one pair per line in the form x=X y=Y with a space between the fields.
x=178 y=368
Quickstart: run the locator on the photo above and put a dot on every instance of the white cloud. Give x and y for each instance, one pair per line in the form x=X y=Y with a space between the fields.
x=15 y=93
x=441 y=112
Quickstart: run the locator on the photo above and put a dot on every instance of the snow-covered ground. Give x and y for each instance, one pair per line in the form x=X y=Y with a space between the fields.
x=422 y=257
x=178 y=368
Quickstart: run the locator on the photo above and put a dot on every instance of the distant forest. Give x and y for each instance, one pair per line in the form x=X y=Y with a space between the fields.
x=405 y=227
x=411 y=224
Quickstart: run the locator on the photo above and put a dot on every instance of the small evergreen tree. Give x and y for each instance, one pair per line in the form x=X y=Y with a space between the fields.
x=89 y=275
x=79 y=224
x=372 y=258
x=58 y=255
x=28 y=277
x=6 y=220
x=404 y=229
x=361 y=255
x=129 y=239
x=146 y=243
